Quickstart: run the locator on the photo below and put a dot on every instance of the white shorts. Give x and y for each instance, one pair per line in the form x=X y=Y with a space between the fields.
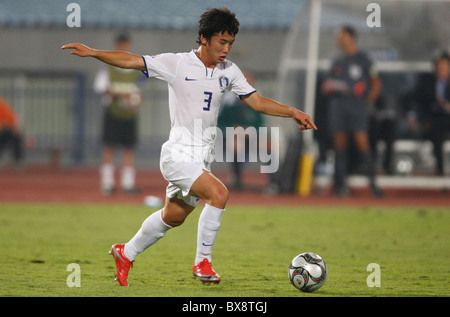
x=181 y=166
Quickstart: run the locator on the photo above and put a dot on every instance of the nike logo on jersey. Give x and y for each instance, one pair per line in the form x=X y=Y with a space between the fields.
x=189 y=79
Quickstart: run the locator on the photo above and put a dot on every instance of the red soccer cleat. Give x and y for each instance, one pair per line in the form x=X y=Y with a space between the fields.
x=205 y=273
x=123 y=265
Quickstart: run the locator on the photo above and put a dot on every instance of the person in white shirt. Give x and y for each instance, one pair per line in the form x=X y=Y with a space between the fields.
x=196 y=82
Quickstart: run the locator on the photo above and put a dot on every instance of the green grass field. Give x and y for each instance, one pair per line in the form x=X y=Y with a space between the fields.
x=254 y=248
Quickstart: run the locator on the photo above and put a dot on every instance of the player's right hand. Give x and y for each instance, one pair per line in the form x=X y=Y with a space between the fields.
x=78 y=49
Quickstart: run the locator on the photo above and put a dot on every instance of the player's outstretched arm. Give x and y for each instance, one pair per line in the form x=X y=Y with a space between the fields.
x=116 y=58
x=271 y=107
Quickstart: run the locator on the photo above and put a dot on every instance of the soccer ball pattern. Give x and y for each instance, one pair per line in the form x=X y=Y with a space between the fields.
x=308 y=272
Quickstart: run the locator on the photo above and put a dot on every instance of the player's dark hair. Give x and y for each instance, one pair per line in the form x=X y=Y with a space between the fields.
x=217 y=20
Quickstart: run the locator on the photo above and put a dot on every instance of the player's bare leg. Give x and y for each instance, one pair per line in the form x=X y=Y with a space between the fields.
x=211 y=190
x=175 y=211
x=215 y=195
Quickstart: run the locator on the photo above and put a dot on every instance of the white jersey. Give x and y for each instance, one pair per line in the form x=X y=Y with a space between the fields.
x=195 y=93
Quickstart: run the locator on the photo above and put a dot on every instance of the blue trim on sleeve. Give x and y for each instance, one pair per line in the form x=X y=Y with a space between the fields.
x=146 y=69
x=244 y=96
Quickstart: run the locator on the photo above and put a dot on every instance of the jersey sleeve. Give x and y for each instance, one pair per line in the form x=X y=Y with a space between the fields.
x=239 y=84
x=162 y=66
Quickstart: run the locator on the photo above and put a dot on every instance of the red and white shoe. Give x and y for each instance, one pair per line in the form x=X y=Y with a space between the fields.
x=205 y=273
x=123 y=265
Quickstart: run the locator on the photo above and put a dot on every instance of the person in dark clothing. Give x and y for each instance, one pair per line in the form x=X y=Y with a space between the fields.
x=353 y=87
x=432 y=97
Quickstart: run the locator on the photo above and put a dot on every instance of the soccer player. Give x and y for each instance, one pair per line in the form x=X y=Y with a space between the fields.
x=196 y=82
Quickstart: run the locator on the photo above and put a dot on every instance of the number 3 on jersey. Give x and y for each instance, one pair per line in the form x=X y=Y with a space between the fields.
x=207 y=100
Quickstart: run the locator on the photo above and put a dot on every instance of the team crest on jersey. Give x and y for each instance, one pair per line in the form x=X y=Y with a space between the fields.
x=224 y=82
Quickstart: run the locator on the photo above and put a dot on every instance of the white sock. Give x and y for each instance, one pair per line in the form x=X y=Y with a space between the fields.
x=127 y=177
x=153 y=228
x=107 y=176
x=208 y=226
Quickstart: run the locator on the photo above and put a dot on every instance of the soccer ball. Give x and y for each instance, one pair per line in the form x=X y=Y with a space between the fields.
x=308 y=272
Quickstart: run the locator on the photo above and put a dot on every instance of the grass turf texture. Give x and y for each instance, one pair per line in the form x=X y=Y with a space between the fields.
x=254 y=248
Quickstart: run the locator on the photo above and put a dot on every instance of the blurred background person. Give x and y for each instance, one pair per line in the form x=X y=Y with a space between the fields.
x=10 y=132
x=353 y=87
x=123 y=98
x=431 y=107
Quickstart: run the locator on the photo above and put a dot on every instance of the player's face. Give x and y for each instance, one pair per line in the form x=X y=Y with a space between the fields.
x=218 y=47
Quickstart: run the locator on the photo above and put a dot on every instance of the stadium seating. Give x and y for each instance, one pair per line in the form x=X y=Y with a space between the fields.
x=174 y=14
